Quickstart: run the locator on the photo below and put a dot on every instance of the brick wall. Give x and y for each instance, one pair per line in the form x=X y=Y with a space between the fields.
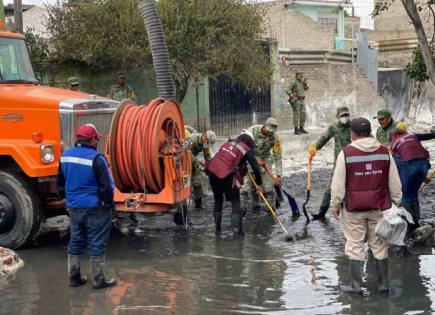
x=293 y=30
x=331 y=86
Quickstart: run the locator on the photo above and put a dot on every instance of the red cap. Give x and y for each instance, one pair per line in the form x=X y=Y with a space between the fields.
x=88 y=131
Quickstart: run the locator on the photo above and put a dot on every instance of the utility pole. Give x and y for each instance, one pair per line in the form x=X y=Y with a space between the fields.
x=18 y=16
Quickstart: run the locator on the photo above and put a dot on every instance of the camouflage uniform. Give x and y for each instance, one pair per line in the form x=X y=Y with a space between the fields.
x=297 y=90
x=384 y=135
x=265 y=149
x=341 y=135
x=198 y=153
x=119 y=93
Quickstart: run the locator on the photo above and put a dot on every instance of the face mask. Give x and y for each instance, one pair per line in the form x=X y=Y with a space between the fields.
x=344 y=120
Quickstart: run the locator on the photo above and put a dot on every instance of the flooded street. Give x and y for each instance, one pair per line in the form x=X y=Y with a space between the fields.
x=165 y=269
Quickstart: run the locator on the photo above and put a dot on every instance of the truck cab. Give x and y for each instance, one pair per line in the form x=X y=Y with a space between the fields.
x=37 y=123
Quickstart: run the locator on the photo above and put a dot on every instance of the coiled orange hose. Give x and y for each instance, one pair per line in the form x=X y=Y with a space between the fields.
x=139 y=136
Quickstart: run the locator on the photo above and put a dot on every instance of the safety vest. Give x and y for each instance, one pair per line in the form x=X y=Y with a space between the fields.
x=226 y=161
x=409 y=148
x=367 y=179
x=81 y=186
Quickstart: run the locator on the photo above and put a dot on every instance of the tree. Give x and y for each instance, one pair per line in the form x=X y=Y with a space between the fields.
x=413 y=9
x=206 y=38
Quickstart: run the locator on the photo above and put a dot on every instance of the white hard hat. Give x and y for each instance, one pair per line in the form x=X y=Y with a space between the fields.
x=247 y=132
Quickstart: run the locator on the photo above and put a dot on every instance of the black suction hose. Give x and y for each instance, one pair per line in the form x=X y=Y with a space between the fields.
x=159 y=48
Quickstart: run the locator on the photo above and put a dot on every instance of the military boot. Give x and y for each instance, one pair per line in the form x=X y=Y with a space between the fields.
x=382 y=271
x=355 y=270
x=279 y=197
x=302 y=130
x=237 y=225
x=75 y=277
x=99 y=279
x=297 y=131
x=218 y=222
x=322 y=213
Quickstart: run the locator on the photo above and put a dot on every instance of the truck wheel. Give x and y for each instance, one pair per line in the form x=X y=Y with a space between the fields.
x=20 y=210
x=180 y=216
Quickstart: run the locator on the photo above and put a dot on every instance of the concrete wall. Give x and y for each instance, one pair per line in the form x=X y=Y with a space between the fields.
x=294 y=30
x=331 y=86
x=414 y=102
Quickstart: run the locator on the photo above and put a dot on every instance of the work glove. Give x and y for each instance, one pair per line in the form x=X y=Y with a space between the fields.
x=278 y=181
x=313 y=150
x=427 y=180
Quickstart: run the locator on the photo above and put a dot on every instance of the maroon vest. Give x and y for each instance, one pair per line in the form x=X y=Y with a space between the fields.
x=409 y=147
x=227 y=160
x=367 y=179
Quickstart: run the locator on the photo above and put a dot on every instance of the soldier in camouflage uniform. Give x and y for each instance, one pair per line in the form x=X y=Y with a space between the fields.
x=200 y=143
x=388 y=126
x=121 y=90
x=267 y=145
x=296 y=93
x=73 y=84
x=340 y=131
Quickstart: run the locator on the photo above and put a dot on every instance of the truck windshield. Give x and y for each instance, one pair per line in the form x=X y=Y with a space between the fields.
x=15 y=66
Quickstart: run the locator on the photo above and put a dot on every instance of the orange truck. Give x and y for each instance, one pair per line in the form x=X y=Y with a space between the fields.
x=36 y=124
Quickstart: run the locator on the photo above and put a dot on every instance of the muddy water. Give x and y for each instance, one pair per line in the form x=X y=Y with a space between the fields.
x=169 y=270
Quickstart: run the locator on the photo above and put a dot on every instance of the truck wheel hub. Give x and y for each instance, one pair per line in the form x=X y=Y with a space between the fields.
x=7 y=214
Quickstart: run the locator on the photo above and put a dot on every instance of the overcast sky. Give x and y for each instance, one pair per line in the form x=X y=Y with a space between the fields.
x=363 y=8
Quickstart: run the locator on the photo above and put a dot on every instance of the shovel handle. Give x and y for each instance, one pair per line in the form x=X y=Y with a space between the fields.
x=268 y=205
x=266 y=169
x=310 y=163
x=424 y=184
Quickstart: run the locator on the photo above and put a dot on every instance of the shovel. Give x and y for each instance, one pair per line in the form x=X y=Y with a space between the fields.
x=310 y=163
x=291 y=200
x=269 y=206
x=424 y=184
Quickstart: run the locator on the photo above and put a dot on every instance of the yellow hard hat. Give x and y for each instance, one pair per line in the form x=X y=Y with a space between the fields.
x=187 y=132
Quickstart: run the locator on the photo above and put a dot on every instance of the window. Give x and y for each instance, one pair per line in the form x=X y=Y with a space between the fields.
x=328 y=22
x=14 y=61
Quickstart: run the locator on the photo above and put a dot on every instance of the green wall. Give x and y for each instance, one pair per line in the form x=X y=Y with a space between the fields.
x=195 y=106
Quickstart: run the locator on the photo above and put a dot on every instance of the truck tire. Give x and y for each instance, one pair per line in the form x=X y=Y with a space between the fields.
x=20 y=211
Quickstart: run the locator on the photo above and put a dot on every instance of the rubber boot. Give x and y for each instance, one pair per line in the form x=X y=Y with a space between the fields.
x=218 y=222
x=75 y=277
x=237 y=225
x=255 y=202
x=302 y=130
x=382 y=270
x=297 y=131
x=198 y=204
x=416 y=215
x=410 y=208
x=355 y=270
x=99 y=280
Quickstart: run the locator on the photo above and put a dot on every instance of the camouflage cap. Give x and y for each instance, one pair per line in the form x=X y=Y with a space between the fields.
x=341 y=111
x=271 y=124
x=73 y=81
x=120 y=73
x=211 y=136
x=299 y=72
x=382 y=113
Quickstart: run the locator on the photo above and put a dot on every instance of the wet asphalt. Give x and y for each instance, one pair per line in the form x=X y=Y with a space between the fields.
x=168 y=269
